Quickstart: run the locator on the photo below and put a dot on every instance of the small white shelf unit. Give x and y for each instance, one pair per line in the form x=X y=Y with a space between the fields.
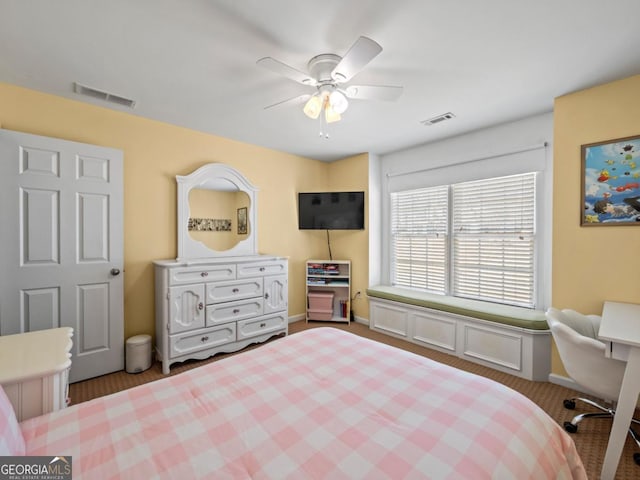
x=333 y=277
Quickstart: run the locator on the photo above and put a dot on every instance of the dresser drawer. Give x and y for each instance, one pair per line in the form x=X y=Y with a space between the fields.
x=257 y=269
x=201 y=339
x=230 y=311
x=204 y=273
x=236 y=290
x=258 y=326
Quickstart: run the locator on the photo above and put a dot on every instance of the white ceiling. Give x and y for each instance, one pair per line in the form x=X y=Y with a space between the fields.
x=193 y=62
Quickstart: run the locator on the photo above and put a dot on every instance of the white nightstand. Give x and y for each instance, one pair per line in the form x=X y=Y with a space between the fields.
x=34 y=370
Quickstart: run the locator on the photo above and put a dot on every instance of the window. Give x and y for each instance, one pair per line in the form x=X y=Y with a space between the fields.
x=473 y=239
x=419 y=224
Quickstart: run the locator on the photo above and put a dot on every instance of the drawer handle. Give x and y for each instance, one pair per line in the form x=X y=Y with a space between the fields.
x=262 y=269
x=236 y=310
x=204 y=274
x=235 y=290
x=266 y=295
x=204 y=339
x=200 y=306
x=262 y=325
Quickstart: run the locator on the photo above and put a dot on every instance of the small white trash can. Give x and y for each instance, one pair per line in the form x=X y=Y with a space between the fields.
x=138 y=353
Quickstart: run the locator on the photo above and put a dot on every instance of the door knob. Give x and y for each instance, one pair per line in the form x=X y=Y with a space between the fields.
x=115 y=271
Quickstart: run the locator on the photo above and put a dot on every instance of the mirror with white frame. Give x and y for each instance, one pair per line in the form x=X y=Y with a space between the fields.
x=216 y=213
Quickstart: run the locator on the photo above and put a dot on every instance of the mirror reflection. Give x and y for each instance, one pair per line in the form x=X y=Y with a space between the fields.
x=219 y=219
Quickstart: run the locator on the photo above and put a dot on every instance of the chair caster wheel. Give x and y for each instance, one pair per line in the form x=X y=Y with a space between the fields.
x=569 y=404
x=570 y=427
x=636 y=458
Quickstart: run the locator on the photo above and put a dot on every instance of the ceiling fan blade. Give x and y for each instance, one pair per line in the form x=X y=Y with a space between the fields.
x=387 y=93
x=286 y=71
x=360 y=53
x=289 y=101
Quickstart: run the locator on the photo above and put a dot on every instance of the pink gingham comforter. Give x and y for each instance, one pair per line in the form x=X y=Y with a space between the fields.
x=322 y=403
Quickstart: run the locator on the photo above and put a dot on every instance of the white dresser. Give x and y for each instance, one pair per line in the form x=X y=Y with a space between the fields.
x=218 y=305
x=34 y=370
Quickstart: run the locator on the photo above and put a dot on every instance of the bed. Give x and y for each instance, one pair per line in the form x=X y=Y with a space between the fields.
x=322 y=403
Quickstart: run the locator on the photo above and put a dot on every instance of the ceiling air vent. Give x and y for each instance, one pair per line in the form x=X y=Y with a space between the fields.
x=102 y=95
x=438 y=119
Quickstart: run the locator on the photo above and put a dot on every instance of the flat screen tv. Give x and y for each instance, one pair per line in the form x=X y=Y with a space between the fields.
x=331 y=211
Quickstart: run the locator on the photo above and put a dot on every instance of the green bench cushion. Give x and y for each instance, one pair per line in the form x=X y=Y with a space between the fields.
x=493 y=312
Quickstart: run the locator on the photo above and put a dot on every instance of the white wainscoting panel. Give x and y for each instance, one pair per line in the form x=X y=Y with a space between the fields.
x=493 y=345
x=389 y=318
x=515 y=350
x=434 y=330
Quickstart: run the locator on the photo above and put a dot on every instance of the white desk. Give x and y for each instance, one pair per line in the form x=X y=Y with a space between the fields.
x=620 y=326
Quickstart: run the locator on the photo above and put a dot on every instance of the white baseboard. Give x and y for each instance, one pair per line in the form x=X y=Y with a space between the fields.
x=302 y=316
x=565 y=382
x=297 y=318
x=363 y=321
x=569 y=383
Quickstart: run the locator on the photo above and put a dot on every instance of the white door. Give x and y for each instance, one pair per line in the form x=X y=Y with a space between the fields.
x=61 y=254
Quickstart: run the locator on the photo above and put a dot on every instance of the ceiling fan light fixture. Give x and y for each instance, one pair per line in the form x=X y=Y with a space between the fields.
x=329 y=72
x=313 y=107
x=338 y=102
x=331 y=115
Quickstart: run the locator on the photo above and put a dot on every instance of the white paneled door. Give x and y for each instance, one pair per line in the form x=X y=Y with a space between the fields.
x=61 y=246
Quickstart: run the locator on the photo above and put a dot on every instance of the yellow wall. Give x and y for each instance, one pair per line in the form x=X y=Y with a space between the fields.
x=154 y=153
x=591 y=264
x=352 y=174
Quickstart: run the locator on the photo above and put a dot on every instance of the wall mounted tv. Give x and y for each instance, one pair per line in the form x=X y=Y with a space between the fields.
x=331 y=211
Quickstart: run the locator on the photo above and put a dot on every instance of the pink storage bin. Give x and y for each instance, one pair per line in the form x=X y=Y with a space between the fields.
x=320 y=314
x=321 y=301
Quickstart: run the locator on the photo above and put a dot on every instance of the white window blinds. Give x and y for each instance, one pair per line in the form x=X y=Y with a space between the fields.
x=493 y=233
x=473 y=239
x=419 y=228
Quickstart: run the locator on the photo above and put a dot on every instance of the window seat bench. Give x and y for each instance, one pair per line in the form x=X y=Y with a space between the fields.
x=511 y=339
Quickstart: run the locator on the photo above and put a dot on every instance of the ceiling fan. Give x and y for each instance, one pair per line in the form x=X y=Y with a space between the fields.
x=329 y=74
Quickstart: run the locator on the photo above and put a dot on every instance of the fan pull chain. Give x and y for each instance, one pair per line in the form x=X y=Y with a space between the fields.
x=323 y=127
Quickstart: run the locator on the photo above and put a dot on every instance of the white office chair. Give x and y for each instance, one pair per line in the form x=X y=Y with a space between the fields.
x=583 y=356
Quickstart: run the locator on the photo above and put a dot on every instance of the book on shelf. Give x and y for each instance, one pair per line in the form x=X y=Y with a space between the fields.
x=343 y=308
x=332 y=268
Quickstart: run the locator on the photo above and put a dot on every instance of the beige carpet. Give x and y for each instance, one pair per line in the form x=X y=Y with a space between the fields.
x=591 y=440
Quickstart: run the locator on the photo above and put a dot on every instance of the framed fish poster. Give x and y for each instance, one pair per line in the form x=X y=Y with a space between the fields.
x=611 y=182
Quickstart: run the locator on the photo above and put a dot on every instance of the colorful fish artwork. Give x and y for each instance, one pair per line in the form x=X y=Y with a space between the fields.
x=628 y=186
x=611 y=182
